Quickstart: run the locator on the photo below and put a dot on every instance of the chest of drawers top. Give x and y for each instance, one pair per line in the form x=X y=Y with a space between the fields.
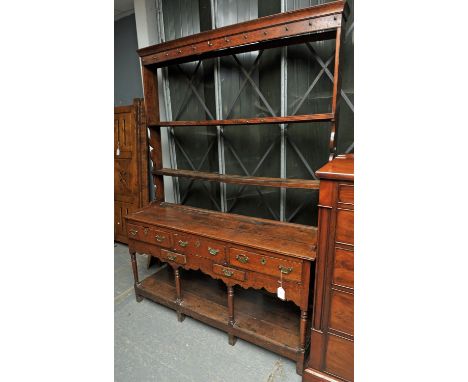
x=282 y=238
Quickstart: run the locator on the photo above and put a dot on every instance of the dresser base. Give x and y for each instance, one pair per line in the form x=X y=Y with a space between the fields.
x=259 y=317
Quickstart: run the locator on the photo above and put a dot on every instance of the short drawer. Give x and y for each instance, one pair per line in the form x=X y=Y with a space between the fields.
x=229 y=273
x=161 y=238
x=343 y=268
x=346 y=193
x=213 y=251
x=342 y=312
x=173 y=257
x=290 y=270
x=137 y=232
x=345 y=226
x=185 y=244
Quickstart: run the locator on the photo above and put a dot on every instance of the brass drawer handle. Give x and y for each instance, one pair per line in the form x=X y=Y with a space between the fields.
x=133 y=232
x=171 y=257
x=183 y=243
x=227 y=273
x=213 y=251
x=242 y=258
x=285 y=270
x=160 y=238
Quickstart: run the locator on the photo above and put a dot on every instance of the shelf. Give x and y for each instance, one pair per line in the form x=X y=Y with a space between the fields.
x=238 y=179
x=252 y=121
x=249 y=35
x=260 y=317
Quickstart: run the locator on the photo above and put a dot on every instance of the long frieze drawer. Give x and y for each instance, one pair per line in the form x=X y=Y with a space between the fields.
x=346 y=193
x=342 y=312
x=343 y=270
x=229 y=273
x=290 y=270
x=186 y=244
x=213 y=251
x=345 y=226
x=173 y=257
x=339 y=357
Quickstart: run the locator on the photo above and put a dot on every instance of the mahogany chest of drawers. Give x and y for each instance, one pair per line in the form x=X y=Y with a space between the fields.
x=332 y=347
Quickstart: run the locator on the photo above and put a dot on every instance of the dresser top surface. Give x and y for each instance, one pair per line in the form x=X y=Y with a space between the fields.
x=340 y=168
x=284 y=238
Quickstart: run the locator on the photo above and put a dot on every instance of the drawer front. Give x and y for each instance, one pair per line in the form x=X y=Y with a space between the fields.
x=343 y=269
x=173 y=257
x=339 y=357
x=289 y=270
x=213 y=251
x=342 y=312
x=345 y=226
x=186 y=244
x=229 y=273
x=137 y=232
x=346 y=193
x=161 y=238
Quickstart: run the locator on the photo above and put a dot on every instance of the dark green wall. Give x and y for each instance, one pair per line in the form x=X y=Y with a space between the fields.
x=127 y=75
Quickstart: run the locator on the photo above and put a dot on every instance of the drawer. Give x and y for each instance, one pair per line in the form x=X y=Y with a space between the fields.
x=291 y=270
x=342 y=312
x=213 y=251
x=345 y=226
x=346 y=193
x=343 y=268
x=229 y=273
x=149 y=235
x=186 y=244
x=339 y=357
x=137 y=232
x=161 y=238
x=173 y=257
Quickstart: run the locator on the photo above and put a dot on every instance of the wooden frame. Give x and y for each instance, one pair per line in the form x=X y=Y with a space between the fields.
x=237 y=250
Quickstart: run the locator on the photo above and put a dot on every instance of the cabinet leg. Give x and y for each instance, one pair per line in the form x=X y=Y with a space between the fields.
x=180 y=315
x=136 y=281
x=302 y=329
x=134 y=268
x=230 y=289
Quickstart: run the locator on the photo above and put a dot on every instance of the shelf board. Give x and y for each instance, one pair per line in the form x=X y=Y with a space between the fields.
x=325 y=117
x=260 y=317
x=238 y=179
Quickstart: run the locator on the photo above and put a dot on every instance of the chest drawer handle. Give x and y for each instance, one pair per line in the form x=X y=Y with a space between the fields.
x=242 y=258
x=160 y=238
x=183 y=243
x=213 y=251
x=133 y=232
x=285 y=270
x=171 y=257
x=227 y=273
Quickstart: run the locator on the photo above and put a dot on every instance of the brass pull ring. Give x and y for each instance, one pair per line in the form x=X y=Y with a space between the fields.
x=227 y=273
x=213 y=251
x=285 y=270
x=160 y=238
x=242 y=258
x=183 y=243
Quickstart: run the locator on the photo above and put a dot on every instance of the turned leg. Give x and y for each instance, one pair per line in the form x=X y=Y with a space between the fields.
x=180 y=315
x=302 y=343
x=136 y=282
x=230 y=290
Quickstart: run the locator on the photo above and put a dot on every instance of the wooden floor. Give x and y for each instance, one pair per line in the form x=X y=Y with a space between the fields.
x=273 y=323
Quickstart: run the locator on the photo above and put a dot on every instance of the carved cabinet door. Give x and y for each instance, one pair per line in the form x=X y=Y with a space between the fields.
x=130 y=164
